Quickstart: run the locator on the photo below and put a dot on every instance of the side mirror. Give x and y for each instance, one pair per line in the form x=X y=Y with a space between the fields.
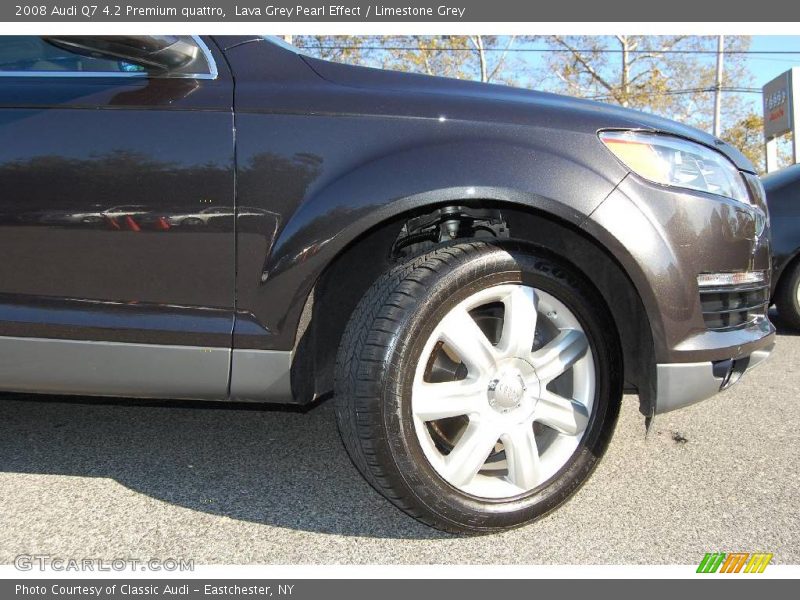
x=153 y=52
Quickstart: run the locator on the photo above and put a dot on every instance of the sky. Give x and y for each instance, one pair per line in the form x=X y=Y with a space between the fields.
x=762 y=67
x=766 y=67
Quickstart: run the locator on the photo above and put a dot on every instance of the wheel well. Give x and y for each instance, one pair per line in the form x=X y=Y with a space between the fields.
x=347 y=278
x=785 y=274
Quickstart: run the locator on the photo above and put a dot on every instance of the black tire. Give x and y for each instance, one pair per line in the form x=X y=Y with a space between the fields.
x=786 y=300
x=376 y=362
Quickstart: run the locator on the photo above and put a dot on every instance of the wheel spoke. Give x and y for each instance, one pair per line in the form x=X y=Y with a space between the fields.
x=463 y=335
x=522 y=456
x=470 y=453
x=519 y=322
x=560 y=354
x=562 y=414
x=533 y=400
x=432 y=401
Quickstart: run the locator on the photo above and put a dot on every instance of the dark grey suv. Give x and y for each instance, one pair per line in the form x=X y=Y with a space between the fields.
x=477 y=273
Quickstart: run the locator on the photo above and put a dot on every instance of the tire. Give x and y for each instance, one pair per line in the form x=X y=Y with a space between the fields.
x=387 y=402
x=787 y=296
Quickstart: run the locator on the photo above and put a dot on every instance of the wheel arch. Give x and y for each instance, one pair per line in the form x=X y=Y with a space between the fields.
x=364 y=191
x=787 y=266
x=354 y=201
x=345 y=279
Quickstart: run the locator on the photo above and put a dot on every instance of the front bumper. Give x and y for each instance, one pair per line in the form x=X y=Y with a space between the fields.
x=665 y=239
x=682 y=384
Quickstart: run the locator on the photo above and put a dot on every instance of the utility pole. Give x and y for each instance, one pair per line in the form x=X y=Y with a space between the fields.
x=718 y=86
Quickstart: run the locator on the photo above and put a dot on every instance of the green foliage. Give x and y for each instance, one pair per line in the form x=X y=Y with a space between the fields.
x=747 y=135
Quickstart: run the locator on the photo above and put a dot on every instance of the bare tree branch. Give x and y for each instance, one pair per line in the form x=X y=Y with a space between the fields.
x=502 y=58
x=477 y=41
x=584 y=62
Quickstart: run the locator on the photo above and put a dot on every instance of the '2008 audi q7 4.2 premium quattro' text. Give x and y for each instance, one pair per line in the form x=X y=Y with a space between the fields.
x=476 y=272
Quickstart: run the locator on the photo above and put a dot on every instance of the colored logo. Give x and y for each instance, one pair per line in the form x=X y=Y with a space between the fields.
x=734 y=562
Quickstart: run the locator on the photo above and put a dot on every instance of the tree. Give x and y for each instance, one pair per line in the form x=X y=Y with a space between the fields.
x=339 y=48
x=673 y=76
x=479 y=57
x=747 y=134
x=481 y=44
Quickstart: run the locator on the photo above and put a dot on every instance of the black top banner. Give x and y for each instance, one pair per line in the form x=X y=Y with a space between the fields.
x=467 y=11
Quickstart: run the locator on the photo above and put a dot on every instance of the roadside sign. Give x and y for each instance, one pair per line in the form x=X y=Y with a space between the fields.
x=781 y=112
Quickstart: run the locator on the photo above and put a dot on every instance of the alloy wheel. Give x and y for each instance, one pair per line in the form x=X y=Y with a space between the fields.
x=503 y=391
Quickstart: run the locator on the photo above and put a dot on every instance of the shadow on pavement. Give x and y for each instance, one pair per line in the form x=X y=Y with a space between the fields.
x=278 y=467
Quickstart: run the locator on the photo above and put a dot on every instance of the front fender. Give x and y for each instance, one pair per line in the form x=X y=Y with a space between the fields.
x=379 y=190
x=415 y=178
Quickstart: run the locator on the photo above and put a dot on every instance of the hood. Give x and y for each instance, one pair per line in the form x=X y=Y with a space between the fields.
x=592 y=115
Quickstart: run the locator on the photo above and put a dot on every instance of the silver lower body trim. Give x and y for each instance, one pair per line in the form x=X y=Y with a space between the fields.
x=683 y=384
x=53 y=366
x=261 y=375
x=91 y=368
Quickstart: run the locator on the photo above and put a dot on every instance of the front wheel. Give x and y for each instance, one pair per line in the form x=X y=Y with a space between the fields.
x=478 y=385
x=787 y=296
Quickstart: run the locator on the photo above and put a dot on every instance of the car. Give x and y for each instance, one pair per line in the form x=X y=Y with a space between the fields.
x=91 y=216
x=201 y=218
x=783 y=191
x=475 y=273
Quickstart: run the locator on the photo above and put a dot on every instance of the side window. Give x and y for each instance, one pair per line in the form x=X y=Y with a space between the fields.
x=32 y=53
x=28 y=54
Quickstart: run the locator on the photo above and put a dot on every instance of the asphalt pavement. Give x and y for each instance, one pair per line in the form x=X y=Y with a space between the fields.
x=85 y=478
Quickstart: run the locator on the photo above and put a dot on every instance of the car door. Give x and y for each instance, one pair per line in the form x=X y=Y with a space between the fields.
x=103 y=289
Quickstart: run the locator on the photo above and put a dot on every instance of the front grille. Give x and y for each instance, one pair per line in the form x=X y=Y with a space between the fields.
x=733 y=307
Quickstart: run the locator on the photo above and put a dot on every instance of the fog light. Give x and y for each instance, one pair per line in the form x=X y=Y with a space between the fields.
x=738 y=278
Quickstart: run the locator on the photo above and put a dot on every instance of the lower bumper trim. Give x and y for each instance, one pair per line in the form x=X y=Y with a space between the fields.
x=682 y=384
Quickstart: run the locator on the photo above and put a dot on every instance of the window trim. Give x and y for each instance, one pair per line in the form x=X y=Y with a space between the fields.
x=213 y=73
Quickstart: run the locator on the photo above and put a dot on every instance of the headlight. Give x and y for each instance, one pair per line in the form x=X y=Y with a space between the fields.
x=676 y=162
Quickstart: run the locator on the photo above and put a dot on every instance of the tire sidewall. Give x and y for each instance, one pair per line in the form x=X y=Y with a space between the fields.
x=794 y=286
x=786 y=299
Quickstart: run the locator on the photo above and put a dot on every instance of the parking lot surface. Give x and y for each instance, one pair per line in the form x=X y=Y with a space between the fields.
x=83 y=478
